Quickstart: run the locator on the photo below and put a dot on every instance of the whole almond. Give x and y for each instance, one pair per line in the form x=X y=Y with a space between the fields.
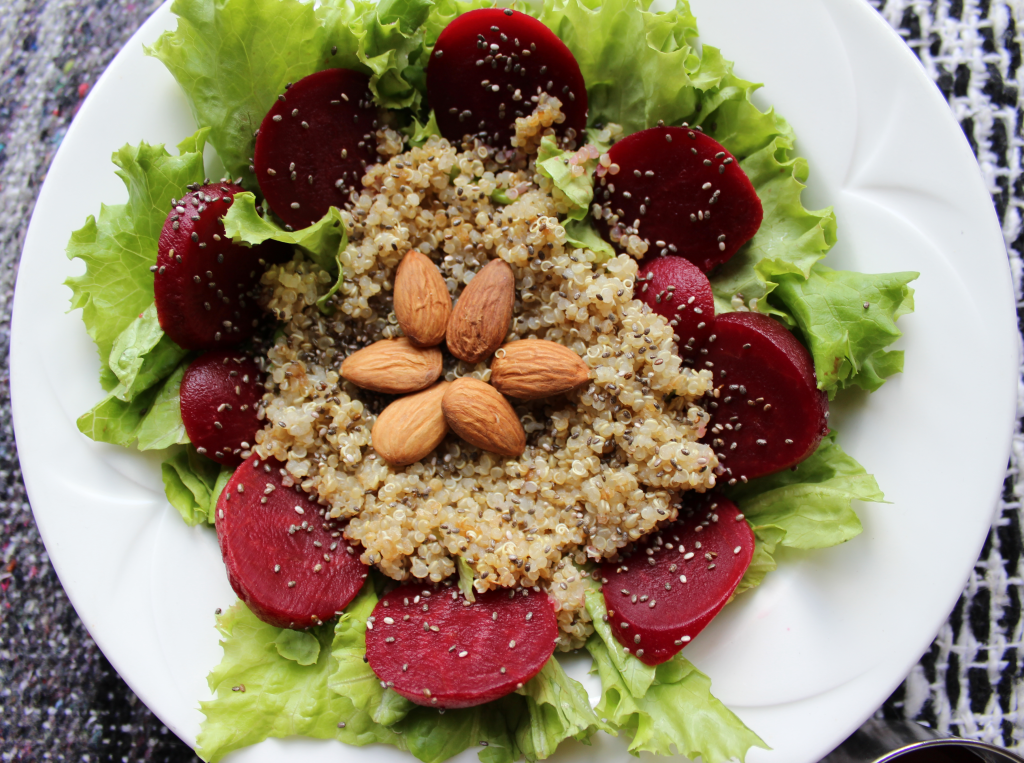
x=422 y=302
x=479 y=414
x=482 y=314
x=394 y=366
x=529 y=369
x=411 y=427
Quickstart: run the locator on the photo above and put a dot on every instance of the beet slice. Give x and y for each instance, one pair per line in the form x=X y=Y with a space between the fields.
x=676 y=289
x=683 y=193
x=673 y=584
x=769 y=413
x=289 y=564
x=220 y=393
x=203 y=283
x=483 y=59
x=314 y=145
x=434 y=647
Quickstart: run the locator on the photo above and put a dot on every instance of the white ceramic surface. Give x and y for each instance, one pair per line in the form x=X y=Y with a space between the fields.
x=803 y=659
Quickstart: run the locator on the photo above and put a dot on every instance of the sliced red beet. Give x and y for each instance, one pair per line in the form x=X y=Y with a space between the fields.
x=676 y=289
x=434 y=647
x=289 y=564
x=488 y=64
x=203 y=283
x=769 y=413
x=683 y=193
x=220 y=393
x=314 y=145
x=672 y=585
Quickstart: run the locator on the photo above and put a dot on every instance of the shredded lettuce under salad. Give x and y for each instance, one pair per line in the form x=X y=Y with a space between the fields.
x=232 y=58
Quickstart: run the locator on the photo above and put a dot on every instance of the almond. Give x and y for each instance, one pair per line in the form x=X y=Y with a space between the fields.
x=481 y=317
x=479 y=414
x=529 y=369
x=394 y=366
x=422 y=302
x=411 y=427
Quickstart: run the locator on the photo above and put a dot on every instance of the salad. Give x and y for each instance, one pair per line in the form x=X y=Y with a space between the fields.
x=317 y=681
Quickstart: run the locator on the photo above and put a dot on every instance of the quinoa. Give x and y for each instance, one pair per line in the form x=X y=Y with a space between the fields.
x=603 y=465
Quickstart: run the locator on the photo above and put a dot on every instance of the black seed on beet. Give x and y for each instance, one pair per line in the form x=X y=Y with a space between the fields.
x=676 y=289
x=194 y=258
x=305 y=166
x=269 y=548
x=692 y=568
x=766 y=385
x=456 y=88
x=220 y=393
x=459 y=654
x=672 y=191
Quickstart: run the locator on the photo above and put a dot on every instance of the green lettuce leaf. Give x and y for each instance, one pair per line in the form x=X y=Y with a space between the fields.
x=193 y=484
x=847 y=339
x=434 y=738
x=581 y=234
x=765 y=541
x=677 y=715
x=808 y=507
x=636 y=676
x=730 y=117
x=115 y=421
x=352 y=676
x=391 y=47
x=812 y=503
x=323 y=241
x=141 y=358
x=577 y=191
x=232 y=58
x=298 y=646
x=152 y=418
x=791 y=239
x=638 y=66
x=259 y=693
x=142 y=355
x=466 y=576
x=162 y=426
x=119 y=247
x=557 y=708
x=500 y=196
x=418 y=133
x=674 y=712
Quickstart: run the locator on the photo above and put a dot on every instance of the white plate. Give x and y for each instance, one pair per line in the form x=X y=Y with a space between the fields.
x=803 y=659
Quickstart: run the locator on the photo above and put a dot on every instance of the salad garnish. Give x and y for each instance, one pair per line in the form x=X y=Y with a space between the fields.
x=582 y=441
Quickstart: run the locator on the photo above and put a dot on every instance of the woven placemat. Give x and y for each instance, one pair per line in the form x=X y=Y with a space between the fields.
x=60 y=699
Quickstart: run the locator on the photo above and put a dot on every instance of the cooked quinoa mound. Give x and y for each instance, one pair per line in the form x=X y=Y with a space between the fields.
x=603 y=465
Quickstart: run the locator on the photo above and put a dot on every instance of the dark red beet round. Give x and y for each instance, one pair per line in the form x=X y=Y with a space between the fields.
x=688 y=193
x=482 y=58
x=672 y=585
x=770 y=414
x=204 y=284
x=220 y=392
x=314 y=145
x=290 y=566
x=676 y=289
x=445 y=652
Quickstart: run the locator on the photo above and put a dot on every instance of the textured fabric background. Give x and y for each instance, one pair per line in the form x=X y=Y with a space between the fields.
x=59 y=697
